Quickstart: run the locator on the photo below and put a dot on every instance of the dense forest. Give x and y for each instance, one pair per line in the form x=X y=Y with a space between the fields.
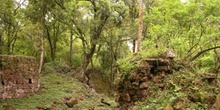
x=111 y=34
x=102 y=32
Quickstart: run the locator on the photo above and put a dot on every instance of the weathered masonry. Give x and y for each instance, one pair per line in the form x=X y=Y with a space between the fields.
x=18 y=76
x=139 y=83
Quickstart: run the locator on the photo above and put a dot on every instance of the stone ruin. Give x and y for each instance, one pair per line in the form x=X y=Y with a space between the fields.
x=98 y=80
x=18 y=76
x=137 y=85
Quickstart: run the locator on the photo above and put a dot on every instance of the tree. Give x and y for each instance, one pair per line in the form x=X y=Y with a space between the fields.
x=101 y=13
x=43 y=13
x=54 y=25
x=140 y=26
x=71 y=47
x=1 y=37
x=9 y=24
x=96 y=32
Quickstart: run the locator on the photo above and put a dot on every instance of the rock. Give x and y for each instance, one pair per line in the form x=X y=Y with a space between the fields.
x=211 y=78
x=143 y=93
x=8 y=107
x=210 y=75
x=163 y=74
x=42 y=107
x=67 y=97
x=144 y=85
x=81 y=98
x=179 y=104
x=144 y=79
x=209 y=99
x=126 y=97
x=71 y=103
x=132 y=92
x=170 y=54
x=194 y=97
x=162 y=68
x=168 y=107
x=156 y=79
x=157 y=62
x=135 y=84
x=161 y=86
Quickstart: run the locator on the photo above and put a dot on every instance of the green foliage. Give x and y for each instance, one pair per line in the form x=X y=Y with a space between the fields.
x=56 y=67
x=150 y=49
x=158 y=103
x=180 y=86
x=126 y=64
x=187 y=28
x=206 y=63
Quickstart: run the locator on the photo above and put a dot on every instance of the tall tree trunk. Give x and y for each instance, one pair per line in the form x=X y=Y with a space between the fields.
x=52 y=42
x=8 y=40
x=8 y=47
x=217 y=60
x=140 y=26
x=43 y=6
x=56 y=34
x=134 y=46
x=71 y=47
x=13 y=44
x=1 y=41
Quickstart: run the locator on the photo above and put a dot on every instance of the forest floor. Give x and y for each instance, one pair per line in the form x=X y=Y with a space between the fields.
x=185 y=90
x=56 y=90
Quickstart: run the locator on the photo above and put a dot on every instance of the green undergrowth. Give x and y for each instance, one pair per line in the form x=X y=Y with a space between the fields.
x=54 y=87
x=184 y=91
x=57 y=67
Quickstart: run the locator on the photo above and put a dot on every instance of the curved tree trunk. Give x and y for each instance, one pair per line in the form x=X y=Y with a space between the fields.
x=86 y=60
x=99 y=19
x=203 y=51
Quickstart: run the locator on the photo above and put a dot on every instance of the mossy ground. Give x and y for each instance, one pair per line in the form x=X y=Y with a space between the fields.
x=54 y=87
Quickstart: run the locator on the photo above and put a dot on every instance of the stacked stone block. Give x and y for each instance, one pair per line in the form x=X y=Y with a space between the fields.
x=18 y=76
x=136 y=86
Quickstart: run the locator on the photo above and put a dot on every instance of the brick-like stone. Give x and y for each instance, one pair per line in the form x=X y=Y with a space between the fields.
x=141 y=80
x=18 y=76
x=144 y=85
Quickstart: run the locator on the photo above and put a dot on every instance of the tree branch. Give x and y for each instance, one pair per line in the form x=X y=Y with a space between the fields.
x=203 y=51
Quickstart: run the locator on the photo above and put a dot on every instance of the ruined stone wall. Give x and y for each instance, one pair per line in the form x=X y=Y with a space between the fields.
x=18 y=76
x=140 y=82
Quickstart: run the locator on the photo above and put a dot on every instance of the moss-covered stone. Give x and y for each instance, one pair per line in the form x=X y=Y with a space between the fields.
x=18 y=75
x=98 y=80
x=136 y=85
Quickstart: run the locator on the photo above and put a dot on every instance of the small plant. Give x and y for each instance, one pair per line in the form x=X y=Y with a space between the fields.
x=127 y=64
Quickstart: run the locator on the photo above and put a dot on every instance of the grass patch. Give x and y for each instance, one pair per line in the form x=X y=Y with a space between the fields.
x=54 y=87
